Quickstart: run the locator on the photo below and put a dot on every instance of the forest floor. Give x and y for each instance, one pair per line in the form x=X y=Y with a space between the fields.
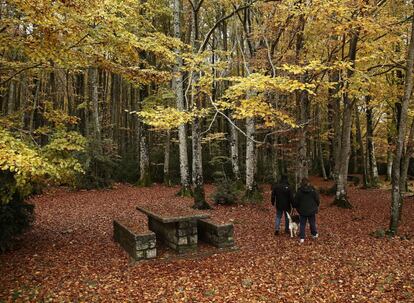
x=70 y=255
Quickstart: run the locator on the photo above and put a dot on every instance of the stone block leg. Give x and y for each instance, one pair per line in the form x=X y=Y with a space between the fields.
x=180 y=236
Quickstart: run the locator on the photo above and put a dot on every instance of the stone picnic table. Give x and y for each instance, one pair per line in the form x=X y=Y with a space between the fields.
x=178 y=231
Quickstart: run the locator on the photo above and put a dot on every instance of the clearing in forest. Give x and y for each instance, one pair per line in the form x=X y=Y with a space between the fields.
x=70 y=255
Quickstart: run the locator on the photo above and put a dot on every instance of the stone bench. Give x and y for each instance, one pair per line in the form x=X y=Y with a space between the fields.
x=139 y=245
x=219 y=235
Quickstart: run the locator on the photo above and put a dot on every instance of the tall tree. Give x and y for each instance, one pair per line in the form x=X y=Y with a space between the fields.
x=396 y=198
x=334 y=111
x=341 y=198
x=197 y=173
x=371 y=159
x=361 y=150
x=302 y=101
x=251 y=155
x=144 y=151
x=179 y=92
x=94 y=87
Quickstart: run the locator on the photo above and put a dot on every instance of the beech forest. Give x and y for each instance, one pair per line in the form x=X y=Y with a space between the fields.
x=112 y=111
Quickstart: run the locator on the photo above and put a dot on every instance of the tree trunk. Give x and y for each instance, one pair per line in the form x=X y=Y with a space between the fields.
x=372 y=163
x=322 y=162
x=107 y=98
x=35 y=103
x=234 y=136
x=11 y=98
x=167 y=179
x=302 y=101
x=198 y=182
x=61 y=93
x=86 y=102
x=177 y=84
x=71 y=88
x=334 y=109
x=252 y=190
x=234 y=151
x=405 y=163
x=137 y=128
x=303 y=148
x=144 y=157
x=94 y=82
x=275 y=159
x=251 y=186
x=390 y=157
x=197 y=177
x=23 y=99
x=361 y=148
x=396 y=198
x=144 y=163
x=319 y=145
x=375 y=175
x=354 y=168
x=341 y=198
x=390 y=154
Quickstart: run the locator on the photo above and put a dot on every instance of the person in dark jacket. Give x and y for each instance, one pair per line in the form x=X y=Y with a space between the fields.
x=282 y=199
x=307 y=204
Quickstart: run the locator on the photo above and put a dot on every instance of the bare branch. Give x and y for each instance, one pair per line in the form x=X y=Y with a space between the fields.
x=269 y=56
x=19 y=72
x=211 y=124
x=221 y=20
x=232 y=123
x=218 y=111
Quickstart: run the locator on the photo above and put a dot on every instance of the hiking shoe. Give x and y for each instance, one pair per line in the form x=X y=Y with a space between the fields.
x=302 y=241
x=315 y=236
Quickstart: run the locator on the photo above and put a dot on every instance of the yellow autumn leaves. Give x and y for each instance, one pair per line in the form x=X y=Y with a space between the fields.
x=30 y=164
x=246 y=98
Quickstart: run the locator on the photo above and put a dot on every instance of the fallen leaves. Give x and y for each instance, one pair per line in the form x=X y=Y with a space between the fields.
x=70 y=256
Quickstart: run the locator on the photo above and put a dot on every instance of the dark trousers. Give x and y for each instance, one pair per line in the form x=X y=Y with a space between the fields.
x=279 y=214
x=312 y=223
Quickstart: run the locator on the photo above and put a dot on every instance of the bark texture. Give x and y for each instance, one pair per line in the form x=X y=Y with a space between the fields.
x=402 y=125
x=341 y=198
x=250 y=157
x=179 y=92
x=234 y=151
x=197 y=177
x=334 y=122
x=372 y=162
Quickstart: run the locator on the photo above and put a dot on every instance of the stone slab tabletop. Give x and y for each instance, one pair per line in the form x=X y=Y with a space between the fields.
x=173 y=217
x=217 y=222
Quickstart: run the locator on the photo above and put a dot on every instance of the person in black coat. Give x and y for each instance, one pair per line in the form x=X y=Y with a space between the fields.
x=307 y=204
x=282 y=199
